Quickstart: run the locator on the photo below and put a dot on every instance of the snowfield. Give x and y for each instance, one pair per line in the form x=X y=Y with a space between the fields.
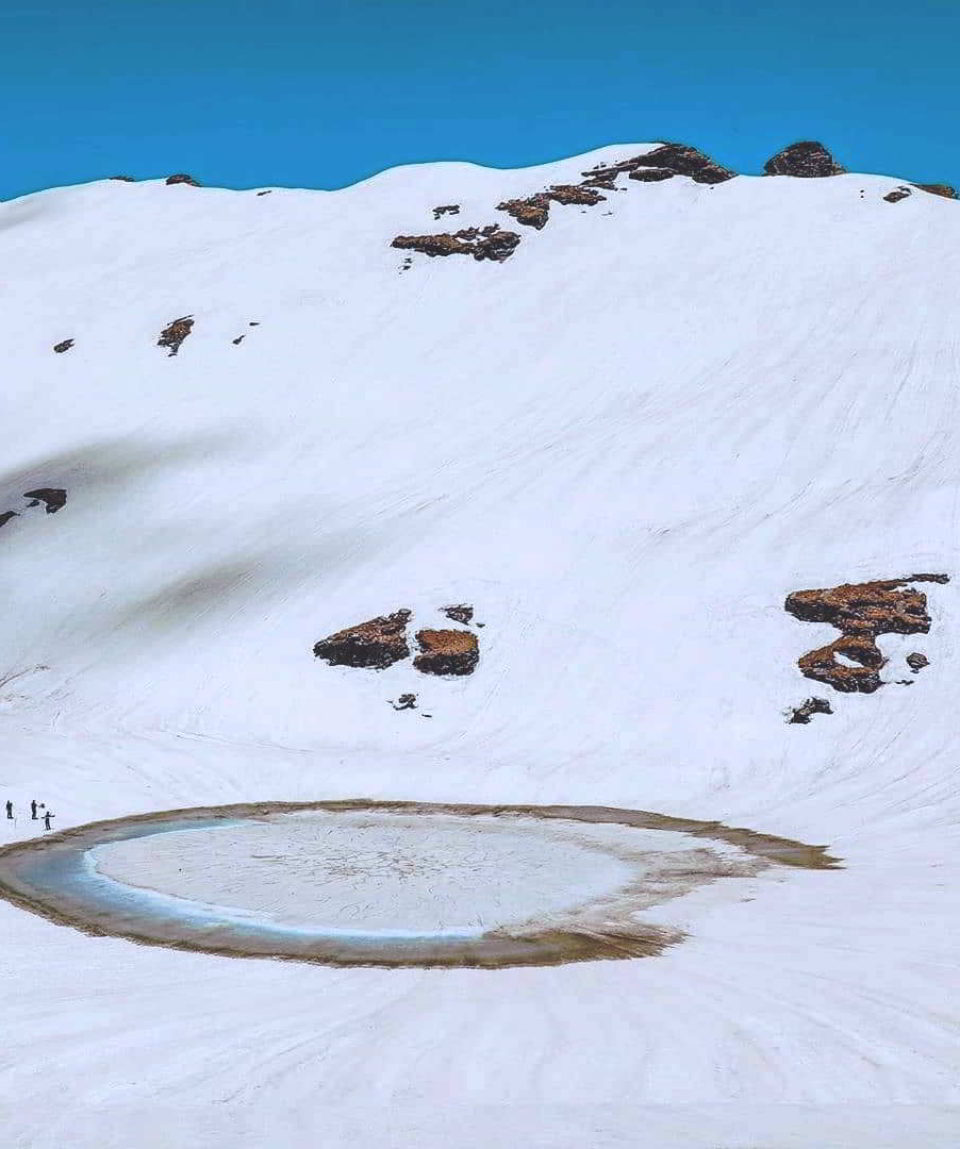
x=624 y=446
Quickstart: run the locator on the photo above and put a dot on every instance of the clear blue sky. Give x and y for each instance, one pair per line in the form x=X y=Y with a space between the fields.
x=320 y=93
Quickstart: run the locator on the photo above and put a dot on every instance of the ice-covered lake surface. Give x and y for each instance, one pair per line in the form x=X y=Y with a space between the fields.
x=416 y=884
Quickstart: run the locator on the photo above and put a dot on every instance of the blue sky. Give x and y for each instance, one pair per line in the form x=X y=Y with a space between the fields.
x=320 y=93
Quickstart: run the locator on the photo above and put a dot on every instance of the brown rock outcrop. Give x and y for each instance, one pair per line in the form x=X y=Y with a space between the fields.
x=182 y=178
x=460 y=612
x=446 y=209
x=531 y=212
x=917 y=661
x=944 y=190
x=897 y=195
x=173 y=335
x=482 y=243
x=807 y=159
x=651 y=175
x=861 y=611
x=375 y=644
x=447 y=652
x=124 y=179
x=674 y=159
x=63 y=345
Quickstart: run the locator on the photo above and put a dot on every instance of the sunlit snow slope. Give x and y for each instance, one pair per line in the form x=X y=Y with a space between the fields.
x=624 y=445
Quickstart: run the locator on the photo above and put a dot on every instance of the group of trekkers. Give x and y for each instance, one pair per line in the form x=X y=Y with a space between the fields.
x=35 y=815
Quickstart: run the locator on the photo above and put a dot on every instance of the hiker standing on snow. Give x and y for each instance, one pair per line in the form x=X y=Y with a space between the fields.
x=9 y=808
x=46 y=820
x=33 y=810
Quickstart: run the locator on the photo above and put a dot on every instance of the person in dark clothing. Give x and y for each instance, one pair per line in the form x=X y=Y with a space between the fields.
x=46 y=820
x=9 y=808
x=33 y=810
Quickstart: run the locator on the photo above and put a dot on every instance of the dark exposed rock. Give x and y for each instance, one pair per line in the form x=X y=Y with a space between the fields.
x=531 y=212
x=861 y=611
x=63 y=345
x=807 y=159
x=651 y=175
x=124 y=179
x=461 y=612
x=944 y=190
x=267 y=191
x=491 y=243
x=239 y=339
x=375 y=644
x=822 y=666
x=535 y=209
x=53 y=498
x=897 y=195
x=6 y=516
x=182 y=178
x=447 y=652
x=802 y=714
x=446 y=209
x=917 y=661
x=405 y=702
x=173 y=335
x=675 y=159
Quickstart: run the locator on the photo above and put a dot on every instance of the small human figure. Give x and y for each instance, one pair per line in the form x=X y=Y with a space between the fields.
x=46 y=820
x=9 y=808
x=33 y=809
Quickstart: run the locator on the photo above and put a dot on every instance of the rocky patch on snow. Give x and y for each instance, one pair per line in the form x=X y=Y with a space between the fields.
x=944 y=190
x=801 y=715
x=917 y=661
x=447 y=652
x=446 y=209
x=481 y=242
x=373 y=645
x=861 y=612
x=807 y=159
x=63 y=345
x=897 y=195
x=535 y=209
x=667 y=160
x=52 y=498
x=461 y=612
x=173 y=335
x=182 y=178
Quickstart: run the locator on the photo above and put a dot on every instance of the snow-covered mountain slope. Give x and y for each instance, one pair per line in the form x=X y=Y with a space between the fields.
x=623 y=445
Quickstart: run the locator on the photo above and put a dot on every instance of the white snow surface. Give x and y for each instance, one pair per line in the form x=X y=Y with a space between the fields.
x=624 y=446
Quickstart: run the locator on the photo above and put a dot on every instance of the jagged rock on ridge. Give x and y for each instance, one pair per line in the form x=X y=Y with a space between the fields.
x=182 y=178
x=675 y=159
x=6 y=516
x=651 y=175
x=374 y=645
x=124 y=179
x=63 y=345
x=447 y=652
x=944 y=190
x=173 y=335
x=807 y=159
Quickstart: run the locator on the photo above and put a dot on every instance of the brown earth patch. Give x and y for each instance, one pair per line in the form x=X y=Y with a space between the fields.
x=173 y=335
x=482 y=243
x=447 y=652
x=944 y=190
x=861 y=611
x=375 y=644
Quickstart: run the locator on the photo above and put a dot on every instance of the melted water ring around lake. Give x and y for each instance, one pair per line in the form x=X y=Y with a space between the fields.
x=387 y=883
